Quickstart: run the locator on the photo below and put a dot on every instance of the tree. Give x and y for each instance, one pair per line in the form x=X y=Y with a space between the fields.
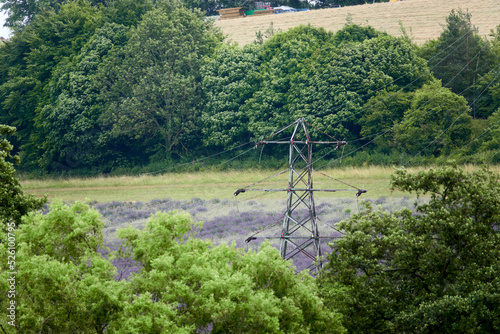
x=460 y=56
x=382 y=113
x=126 y=12
x=434 y=270
x=220 y=287
x=63 y=284
x=283 y=57
x=22 y=13
x=158 y=81
x=13 y=202
x=438 y=122
x=332 y=90
x=488 y=147
x=229 y=79
x=72 y=135
x=47 y=44
x=487 y=88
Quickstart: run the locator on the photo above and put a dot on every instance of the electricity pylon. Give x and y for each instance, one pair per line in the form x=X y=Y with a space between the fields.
x=299 y=232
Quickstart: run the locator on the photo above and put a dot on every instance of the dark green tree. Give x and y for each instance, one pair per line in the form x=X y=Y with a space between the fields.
x=487 y=88
x=72 y=135
x=126 y=12
x=334 y=87
x=459 y=57
x=382 y=113
x=157 y=81
x=229 y=79
x=47 y=44
x=438 y=122
x=432 y=271
x=22 y=13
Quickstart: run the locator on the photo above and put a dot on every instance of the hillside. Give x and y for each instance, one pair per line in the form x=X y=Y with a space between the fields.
x=424 y=17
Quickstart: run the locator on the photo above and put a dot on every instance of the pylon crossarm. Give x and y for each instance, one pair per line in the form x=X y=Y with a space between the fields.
x=268 y=237
x=300 y=142
x=302 y=189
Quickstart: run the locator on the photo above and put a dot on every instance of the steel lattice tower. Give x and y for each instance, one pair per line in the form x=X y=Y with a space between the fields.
x=299 y=232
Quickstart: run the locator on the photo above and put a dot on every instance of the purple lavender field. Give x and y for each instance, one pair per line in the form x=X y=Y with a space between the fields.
x=230 y=222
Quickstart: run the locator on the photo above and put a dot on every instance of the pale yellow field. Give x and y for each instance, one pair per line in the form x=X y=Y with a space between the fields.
x=425 y=18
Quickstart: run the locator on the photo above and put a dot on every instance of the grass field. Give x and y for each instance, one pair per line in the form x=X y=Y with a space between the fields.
x=425 y=18
x=210 y=185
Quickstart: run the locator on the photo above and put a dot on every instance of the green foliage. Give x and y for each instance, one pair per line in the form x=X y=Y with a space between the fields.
x=229 y=78
x=22 y=13
x=383 y=112
x=126 y=12
x=487 y=89
x=45 y=45
x=158 y=81
x=433 y=271
x=460 y=57
x=355 y=33
x=71 y=129
x=13 y=203
x=107 y=87
x=438 y=121
x=219 y=286
x=308 y=72
x=284 y=55
x=63 y=284
x=333 y=90
x=185 y=285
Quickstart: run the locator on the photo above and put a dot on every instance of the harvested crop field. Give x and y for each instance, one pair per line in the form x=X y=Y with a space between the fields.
x=425 y=18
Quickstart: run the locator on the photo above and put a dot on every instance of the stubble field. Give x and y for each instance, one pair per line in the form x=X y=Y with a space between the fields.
x=423 y=19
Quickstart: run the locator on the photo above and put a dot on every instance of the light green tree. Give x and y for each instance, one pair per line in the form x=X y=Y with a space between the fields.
x=221 y=287
x=63 y=284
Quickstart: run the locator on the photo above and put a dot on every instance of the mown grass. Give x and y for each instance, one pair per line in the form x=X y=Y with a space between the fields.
x=210 y=185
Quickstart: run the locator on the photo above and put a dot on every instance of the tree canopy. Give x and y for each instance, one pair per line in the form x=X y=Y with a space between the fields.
x=13 y=202
x=434 y=270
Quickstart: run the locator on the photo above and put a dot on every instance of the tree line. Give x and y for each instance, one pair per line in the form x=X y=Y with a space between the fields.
x=116 y=86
